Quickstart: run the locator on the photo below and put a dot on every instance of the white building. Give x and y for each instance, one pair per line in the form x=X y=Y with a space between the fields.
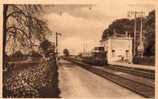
x=119 y=49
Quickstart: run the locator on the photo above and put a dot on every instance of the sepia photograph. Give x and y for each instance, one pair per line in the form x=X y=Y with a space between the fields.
x=99 y=50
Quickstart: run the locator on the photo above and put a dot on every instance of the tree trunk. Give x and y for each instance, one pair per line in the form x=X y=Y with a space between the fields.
x=5 y=9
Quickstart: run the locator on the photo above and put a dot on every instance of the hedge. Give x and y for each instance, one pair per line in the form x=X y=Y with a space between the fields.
x=144 y=60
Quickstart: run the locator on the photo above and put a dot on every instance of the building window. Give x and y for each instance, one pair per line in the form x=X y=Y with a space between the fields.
x=113 y=53
x=127 y=53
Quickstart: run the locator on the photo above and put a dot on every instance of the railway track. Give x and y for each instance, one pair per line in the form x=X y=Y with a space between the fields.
x=134 y=71
x=134 y=82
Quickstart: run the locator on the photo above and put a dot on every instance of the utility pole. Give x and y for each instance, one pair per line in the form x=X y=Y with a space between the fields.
x=136 y=14
x=57 y=34
x=141 y=45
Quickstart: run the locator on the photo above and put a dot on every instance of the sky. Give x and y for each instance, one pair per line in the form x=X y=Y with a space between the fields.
x=82 y=25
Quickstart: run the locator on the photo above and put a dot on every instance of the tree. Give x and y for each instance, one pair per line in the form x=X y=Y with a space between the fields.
x=66 y=52
x=122 y=25
x=150 y=34
x=21 y=25
x=47 y=47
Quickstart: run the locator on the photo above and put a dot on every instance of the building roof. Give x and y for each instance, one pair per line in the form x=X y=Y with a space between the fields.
x=120 y=38
x=116 y=35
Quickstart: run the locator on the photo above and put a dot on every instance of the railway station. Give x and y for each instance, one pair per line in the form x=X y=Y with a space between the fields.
x=118 y=59
x=118 y=48
x=102 y=50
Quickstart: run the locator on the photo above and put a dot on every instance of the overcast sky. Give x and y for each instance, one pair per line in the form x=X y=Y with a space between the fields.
x=83 y=25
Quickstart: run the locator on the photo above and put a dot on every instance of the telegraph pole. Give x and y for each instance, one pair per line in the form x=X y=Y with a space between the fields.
x=135 y=33
x=136 y=14
x=57 y=34
x=141 y=45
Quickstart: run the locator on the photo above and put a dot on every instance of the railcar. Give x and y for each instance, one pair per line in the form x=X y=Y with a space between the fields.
x=96 y=57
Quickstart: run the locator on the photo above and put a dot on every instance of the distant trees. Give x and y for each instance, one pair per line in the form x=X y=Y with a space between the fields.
x=66 y=52
x=120 y=26
x=47 y=47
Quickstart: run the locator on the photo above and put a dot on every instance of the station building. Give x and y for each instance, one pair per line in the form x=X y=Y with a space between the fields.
x=119 y=49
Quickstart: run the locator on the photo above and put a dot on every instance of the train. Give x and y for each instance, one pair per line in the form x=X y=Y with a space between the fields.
x=97 y=57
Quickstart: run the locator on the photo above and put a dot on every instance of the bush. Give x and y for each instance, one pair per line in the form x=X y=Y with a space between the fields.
x=145 y=60
x=35 y=54
x=38 y=81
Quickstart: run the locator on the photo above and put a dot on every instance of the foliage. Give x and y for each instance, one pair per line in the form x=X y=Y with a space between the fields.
x=66 y=52
x=120 y=26
x=35 y=54
x=22 y=24
x=150 y=34
x=47 y=47
x=150 y=61
x=17 y=54
x=37 y=81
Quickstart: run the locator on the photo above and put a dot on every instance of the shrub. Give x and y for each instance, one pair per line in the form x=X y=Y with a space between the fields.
x=144 y=60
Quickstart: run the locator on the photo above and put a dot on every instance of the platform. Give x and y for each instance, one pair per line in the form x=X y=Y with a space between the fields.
x=145 y=67
x=76 y=82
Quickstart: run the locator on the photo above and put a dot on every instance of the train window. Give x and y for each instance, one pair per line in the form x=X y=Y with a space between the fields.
x=113 y=53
